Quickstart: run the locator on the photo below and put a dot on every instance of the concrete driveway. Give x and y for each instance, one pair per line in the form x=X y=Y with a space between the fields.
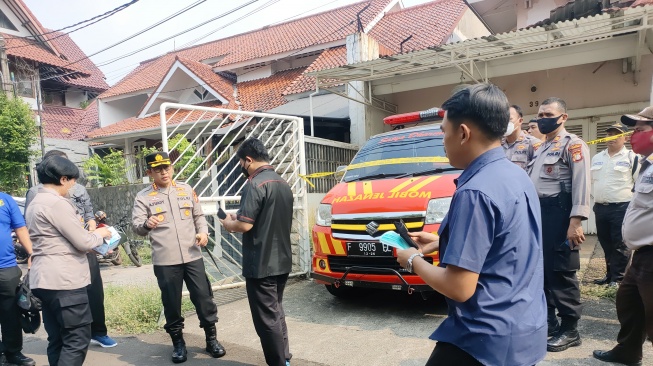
x=375 y=328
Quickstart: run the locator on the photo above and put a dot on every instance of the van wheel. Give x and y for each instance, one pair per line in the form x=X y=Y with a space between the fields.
x=342 y=291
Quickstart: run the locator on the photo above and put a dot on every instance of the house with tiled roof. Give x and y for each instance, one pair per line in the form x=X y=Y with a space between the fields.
x=40 y=63
x=268 y=70
x=597 y=55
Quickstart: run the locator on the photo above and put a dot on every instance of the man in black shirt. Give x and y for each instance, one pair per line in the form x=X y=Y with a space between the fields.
x=265 y=219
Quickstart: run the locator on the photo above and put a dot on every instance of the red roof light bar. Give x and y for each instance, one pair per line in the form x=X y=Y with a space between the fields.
x=432 y=114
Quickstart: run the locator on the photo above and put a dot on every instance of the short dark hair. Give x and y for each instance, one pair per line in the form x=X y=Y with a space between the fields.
x=553 y=100
x=55 y=153
x=253 y=148
x=485 y=105
x=518 y=110
x=53 y=168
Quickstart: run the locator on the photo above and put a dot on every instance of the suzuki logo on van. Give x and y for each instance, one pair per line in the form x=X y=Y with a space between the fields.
x=372 y=228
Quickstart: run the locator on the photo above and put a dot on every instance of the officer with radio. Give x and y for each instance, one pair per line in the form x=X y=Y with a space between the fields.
x=560 y=171
x=170 y=213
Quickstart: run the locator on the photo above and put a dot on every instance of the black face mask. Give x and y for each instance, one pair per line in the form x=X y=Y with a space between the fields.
x=548 y=125
x=244 y=171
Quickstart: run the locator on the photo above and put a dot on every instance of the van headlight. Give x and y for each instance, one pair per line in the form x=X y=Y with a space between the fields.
x=323 y=217
x=436 y=210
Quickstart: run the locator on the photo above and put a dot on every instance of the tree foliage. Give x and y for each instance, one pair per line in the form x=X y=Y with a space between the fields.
x=18 y=134
x=108 y=170
x=185 y=157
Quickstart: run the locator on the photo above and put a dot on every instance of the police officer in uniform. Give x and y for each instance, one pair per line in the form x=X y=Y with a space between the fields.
x=613 y=176
x=171 y=214
x=517 y=144
x=560 y=171
x=635 y=295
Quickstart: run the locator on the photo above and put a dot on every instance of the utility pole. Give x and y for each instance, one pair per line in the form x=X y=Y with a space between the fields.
x=4 y=67
x=39 y=122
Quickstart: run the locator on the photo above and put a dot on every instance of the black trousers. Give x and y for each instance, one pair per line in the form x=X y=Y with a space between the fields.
x=635 y=306
x=96 y=297
x=171 y=280
x=265 y=296
x=609 y=219
x=12 y=331
x=446 y=354
x=67 y=320
x=561 y=287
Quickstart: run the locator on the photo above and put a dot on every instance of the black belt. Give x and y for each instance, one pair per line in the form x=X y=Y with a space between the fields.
x=644 y=249
x=612 y=203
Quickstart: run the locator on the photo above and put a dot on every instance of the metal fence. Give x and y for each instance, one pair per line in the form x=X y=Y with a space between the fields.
x=217 y=180
x=325 y=156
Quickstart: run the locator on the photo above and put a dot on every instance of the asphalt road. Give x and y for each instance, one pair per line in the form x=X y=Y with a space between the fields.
x=374 y=328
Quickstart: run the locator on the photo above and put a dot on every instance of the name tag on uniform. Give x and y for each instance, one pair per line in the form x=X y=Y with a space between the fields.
x=623 y=163
x=553 y=153
x=184 y=198
x=156 y=203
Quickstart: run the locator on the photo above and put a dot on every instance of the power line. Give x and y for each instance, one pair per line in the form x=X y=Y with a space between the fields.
x=172 y=16
x=110 y=12
x=94 y=20
x=277 y=59
x=178 y=34
x=271 y=2
x=156 y=43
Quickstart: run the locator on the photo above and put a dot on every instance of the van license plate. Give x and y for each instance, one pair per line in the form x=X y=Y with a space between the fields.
x=368 y=249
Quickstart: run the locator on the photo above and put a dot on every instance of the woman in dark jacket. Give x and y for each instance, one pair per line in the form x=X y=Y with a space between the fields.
x=60 y=272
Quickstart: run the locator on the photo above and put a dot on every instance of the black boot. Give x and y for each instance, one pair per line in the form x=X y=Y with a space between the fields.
x=552 y=322
x=567 y=336
x=179 y=353
x=19 y=359
x=213 y=347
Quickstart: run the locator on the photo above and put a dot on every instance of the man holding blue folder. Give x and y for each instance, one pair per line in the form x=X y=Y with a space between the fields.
x=490 y=243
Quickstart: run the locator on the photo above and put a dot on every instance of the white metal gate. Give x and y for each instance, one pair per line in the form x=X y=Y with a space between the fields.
x=209 y=164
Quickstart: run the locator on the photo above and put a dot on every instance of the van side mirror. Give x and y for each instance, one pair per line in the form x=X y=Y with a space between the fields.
x=340 y=172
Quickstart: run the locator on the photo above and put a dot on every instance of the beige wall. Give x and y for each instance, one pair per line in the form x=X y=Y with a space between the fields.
x=581 y=86
x=470 y=26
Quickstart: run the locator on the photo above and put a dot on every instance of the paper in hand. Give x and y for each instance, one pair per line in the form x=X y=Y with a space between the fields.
x=394 y=240
x=110 y=243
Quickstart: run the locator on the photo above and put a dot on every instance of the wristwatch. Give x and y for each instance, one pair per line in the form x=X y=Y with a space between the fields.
x=409 y=265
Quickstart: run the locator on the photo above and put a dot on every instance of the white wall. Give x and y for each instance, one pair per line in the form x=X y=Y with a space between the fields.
x=22 y=31
x=470 y=26
x=116 y=110
x=254 y=74
x=584 y=86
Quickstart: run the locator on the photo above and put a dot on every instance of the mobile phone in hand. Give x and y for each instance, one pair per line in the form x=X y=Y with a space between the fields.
x=402 y=230
x=221 y=214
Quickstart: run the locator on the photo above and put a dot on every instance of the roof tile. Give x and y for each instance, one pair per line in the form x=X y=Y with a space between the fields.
x=29 y=49
x=330 y=58
x=67 y=123
x=149 y=122
x=430 y=24
x=265 y=94
x=321 y=28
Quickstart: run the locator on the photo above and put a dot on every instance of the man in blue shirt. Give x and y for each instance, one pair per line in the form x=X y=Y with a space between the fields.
x=12 y=332
x=490 y=243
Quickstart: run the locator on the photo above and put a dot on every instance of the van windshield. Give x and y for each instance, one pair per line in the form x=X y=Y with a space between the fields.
x=399 y=154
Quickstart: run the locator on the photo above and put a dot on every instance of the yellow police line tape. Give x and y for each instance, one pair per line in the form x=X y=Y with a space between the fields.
x=610 y=138
x=433 y=159
x=424 y=159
